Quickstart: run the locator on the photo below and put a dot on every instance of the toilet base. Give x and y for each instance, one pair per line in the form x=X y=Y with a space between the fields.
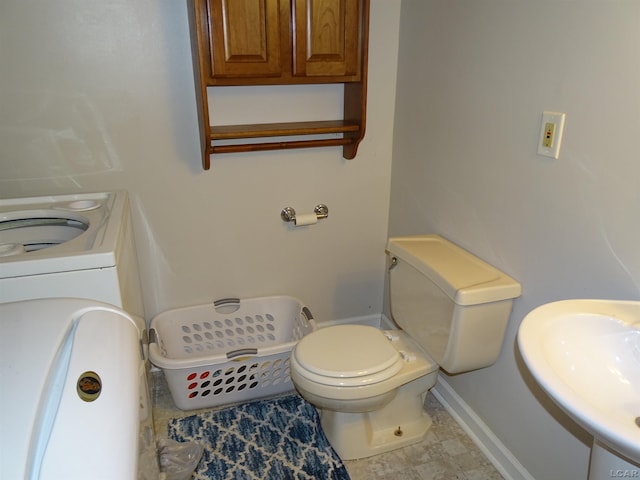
x=401 y=422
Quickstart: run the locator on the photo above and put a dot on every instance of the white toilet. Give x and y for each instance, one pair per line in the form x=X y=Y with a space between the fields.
x=369 y=384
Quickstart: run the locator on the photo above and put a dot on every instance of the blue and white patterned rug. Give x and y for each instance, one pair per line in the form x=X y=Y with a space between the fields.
x=277 y=439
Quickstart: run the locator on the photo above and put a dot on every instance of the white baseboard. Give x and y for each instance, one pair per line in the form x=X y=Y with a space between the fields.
x=497 y=453
x=372 y=320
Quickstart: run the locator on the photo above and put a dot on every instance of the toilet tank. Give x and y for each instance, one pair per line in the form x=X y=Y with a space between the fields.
x=453 y=304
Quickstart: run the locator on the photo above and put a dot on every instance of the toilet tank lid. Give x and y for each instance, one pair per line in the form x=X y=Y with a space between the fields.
x=466 y=279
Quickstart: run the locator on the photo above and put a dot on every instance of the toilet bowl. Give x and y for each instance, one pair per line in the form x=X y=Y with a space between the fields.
x=369 y=408
x=370 y=385
x=377 y=364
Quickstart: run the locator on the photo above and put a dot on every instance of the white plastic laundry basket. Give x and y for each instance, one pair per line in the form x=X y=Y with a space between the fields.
x=230 y=351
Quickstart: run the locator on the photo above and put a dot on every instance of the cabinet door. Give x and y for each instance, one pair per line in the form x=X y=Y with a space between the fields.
x=327 y=37
x=244 y=38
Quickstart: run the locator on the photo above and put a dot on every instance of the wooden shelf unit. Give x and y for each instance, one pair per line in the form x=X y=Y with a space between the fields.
x=281 y=42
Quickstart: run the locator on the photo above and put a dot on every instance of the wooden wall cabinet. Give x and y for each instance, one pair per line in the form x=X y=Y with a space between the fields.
x=281 y=42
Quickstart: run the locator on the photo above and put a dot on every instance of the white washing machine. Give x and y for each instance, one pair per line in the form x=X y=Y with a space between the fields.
x=69 y=246
x=77 y=246
x=74 y=398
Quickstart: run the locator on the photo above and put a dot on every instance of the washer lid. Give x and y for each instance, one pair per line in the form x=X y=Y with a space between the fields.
x=89 y=236
x=346 y=351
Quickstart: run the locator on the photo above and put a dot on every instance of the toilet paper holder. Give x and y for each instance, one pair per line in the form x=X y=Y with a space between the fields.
x=288 y=214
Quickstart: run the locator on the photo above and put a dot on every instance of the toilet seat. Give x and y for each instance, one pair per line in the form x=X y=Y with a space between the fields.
x=347 y=355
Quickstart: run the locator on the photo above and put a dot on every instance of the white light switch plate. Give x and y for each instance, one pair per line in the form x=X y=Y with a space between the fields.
x=550 y=138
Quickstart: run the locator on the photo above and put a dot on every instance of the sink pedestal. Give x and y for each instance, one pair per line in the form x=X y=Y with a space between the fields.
x=605 y=463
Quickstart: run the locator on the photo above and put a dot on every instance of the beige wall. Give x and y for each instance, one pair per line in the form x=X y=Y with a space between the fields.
x=474 y=78
x=99 y=95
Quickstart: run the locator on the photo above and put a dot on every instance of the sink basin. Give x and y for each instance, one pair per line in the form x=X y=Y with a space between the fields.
x=586 y=355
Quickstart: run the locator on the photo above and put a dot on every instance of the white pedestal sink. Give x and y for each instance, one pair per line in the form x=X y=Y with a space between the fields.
x=585 y=354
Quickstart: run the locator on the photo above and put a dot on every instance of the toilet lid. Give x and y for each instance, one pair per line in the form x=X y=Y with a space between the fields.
x=347 y=353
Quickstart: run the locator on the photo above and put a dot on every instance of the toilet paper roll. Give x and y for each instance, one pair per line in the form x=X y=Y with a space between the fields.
x=306 y=219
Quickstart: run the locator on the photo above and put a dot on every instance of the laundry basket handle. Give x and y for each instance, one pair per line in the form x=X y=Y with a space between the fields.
x=309 y=322
x=226 y=305
x=155 y=354
x=242 y=352
x=153 y=336
x=307 y=313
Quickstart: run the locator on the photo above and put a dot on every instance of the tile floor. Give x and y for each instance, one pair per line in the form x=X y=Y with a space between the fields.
x=446 y=454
